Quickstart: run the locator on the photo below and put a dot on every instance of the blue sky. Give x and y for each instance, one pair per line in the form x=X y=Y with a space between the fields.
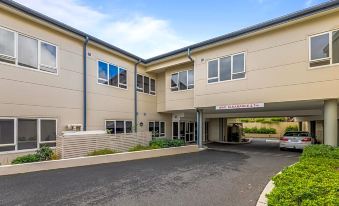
x=152 y=27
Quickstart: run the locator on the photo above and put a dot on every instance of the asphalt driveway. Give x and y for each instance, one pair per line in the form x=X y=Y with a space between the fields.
x=225 y=175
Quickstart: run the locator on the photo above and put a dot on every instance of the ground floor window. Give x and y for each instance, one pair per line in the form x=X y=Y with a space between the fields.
x=157 y=128
x=25 y=134
x=185 y=130
x=118 y=126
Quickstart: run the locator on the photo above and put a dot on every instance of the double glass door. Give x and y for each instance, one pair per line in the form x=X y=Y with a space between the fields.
x=184 y=130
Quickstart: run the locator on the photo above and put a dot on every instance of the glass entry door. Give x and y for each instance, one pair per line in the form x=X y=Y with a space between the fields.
x=184 y=130
x=190 y=132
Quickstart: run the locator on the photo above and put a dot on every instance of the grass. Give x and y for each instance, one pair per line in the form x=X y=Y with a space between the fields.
x=313 y=181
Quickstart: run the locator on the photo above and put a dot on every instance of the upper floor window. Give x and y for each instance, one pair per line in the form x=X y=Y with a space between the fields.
x=118 y=127
x=226 y=68
x=324 y=49
x=145 y=84
x=112 y=75
x=183 y=80
x=22 y=50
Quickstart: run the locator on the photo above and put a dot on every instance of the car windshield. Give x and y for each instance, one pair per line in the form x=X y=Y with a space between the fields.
x=296 y=134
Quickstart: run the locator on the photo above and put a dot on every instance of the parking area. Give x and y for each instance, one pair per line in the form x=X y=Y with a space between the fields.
x=224 y=175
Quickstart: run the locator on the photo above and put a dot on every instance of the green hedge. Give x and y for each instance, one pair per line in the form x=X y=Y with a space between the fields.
x=263 y=130
x=102 y=152
x=292 y=129
x=312 y=181
x=159 y=143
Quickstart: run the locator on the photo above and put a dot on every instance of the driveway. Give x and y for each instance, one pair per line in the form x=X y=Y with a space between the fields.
x=226 y=175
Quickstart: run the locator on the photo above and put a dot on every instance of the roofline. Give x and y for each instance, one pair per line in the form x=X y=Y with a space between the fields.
x=63 y=26
x=270 y=23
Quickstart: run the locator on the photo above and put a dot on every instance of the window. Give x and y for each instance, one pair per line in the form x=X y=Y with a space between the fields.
x=324 y=49
x=27 y=134
x=48 y=61
x=152 y=87
x=183 y=80
x=190 y=79
x=174 y=82
x=140 y=83
x=118 y=127
x=48 y=131
x=7 y=46
x=227 y=68
x=110 y=74
x=28 y=52
x=146 y=85
x=157 y=128
x=7 y=130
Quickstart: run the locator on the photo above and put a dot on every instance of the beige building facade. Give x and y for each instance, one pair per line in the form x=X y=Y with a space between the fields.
x=52 y=80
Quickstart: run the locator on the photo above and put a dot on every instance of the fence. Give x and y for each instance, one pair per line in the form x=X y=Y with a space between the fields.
x=79 y=144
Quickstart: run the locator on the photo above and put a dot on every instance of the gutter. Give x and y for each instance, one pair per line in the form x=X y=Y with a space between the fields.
x=85 y=84
x=136 y=95
x=189 y=55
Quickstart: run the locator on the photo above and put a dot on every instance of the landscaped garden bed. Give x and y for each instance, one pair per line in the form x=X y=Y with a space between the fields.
x=314 y=180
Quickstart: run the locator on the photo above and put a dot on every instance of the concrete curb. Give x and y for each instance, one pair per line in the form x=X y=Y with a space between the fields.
x=94 y=160
x=263 y=199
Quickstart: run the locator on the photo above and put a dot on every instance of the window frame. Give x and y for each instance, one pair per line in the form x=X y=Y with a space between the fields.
x=16 y=50
x=232 y=73
x=178 y=83
x=161 y=134
x=16 y=125
x=330 y=34
x=139 y=89
x=108 y=77
x=115 y=125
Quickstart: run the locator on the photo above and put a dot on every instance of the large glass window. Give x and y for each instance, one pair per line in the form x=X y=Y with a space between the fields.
x=182 y=80
x=213 y=71
x=175 y=82
x=146 y=85
x=7 y=129
x=157 y=128
x=118 y=127
x=324 y=49
x=190 y=79
x=27 y=134
x=48 y=132
x=122 y=78
x=152 y=87
x=112 y=75
x=48 y=57
x=27 y=52
x=140 y=83
x=7 y=45
x=227 y=68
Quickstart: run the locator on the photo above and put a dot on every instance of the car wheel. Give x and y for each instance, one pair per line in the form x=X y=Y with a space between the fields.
x=282 y=149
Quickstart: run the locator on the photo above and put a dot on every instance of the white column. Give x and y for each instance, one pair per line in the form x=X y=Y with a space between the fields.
x=331 y=122
x=199 y=114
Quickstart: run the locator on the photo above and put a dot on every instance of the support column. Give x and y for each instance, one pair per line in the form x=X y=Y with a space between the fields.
x=199 y=127
x=330 y=122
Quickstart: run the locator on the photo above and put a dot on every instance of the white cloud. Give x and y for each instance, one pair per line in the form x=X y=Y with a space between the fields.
x=142 y=35
x=309 y=3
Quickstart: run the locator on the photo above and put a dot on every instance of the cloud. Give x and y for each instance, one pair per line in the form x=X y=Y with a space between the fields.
x=145 y=36
x=309 y=3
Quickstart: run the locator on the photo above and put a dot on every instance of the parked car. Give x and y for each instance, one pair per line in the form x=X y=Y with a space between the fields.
x=295 y=140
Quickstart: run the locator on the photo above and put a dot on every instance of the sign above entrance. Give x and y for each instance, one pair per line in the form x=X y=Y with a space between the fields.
x=240 y=106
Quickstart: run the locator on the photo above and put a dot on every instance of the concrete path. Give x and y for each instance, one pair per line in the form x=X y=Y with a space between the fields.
x=229 y=175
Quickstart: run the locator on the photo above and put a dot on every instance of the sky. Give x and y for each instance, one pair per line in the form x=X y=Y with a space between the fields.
x=152 y=27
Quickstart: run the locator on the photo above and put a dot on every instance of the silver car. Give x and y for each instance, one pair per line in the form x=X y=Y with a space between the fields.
x=295 y=140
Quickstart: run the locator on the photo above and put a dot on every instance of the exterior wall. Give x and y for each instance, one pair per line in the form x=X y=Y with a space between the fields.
x=276 y=68
x=28 y=93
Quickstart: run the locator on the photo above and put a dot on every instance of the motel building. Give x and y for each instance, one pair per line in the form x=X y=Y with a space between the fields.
x=55 y=78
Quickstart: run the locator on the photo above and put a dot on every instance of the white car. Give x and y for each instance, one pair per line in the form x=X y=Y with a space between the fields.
x=295 y=140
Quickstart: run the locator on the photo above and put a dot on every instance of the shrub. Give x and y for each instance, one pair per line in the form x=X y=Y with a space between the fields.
x=312 y=181
x=292 y=129
x=102 y=152
x=26 y=159
x=141 y=147
x=165 y=143
x=263 y=130
x=43 y=154
x=277 y=119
